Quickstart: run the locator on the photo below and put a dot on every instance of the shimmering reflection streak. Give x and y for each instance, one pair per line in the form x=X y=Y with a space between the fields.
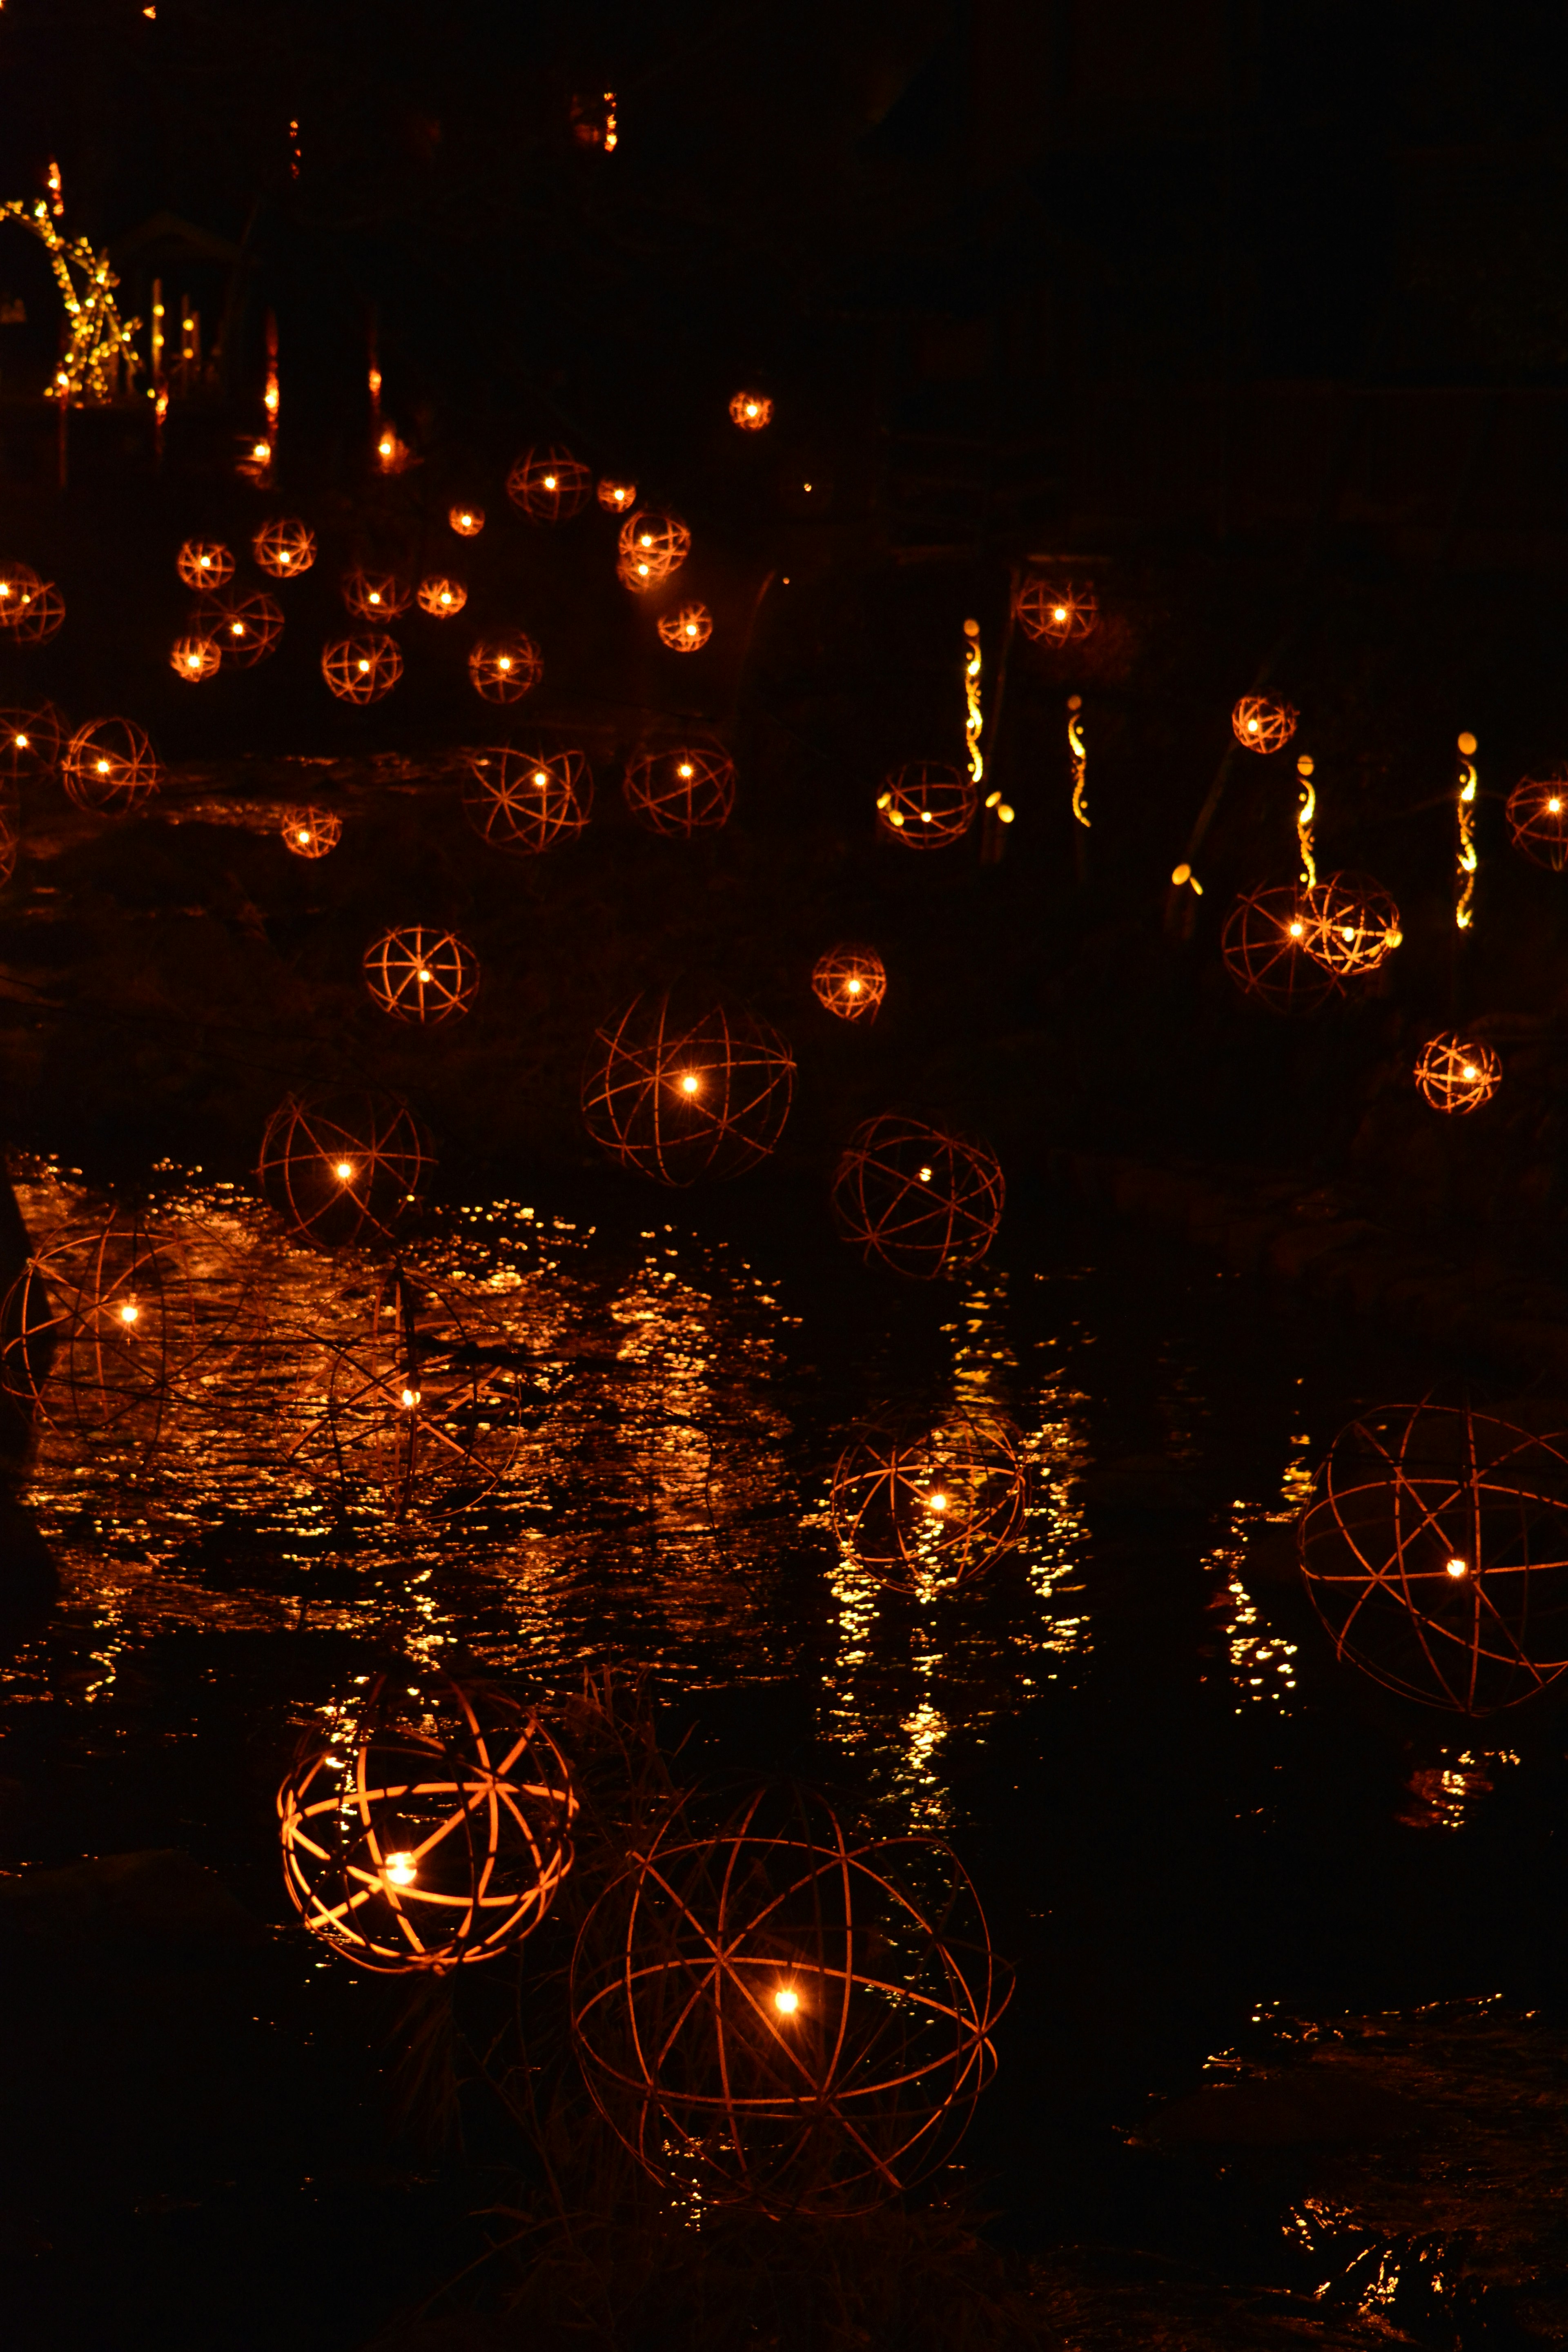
x=1448 y=1794
x=1262 y=1661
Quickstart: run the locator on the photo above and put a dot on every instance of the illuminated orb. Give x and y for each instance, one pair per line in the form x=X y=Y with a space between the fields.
x=19 y=584
x=36 y=614
x=1264 y=944
x=195 y=657
x=30 y=741
x=1538 y=820
x=1353 y=925
x=1434 y=1551
x=1055 y=612
x=422 y=975
x=441 y=596
x=682 y=1093
x=686 y=789
x=362 y=669
x=779 y=2013
x=1458 y=1074
x=466 y=521
x=343 y=1167
x=928 y=805
x=248 y=627
x=548 y=485
x=649 y=548
x=686 y=630
x=505 y=668
x=525 y=801
x=427 y=1826
x=616 y=497
x=205 y=564
x=1259 y=725
x=920 y=1199
x=925 y=1502
x=750 y=411
x=376 y=595
x=109 y=767
x=310 y=832
x=285 y=547
x=850 y=982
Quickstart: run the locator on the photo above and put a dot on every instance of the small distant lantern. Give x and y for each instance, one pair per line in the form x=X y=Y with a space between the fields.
x=505 y=668
x=689 y=789
x=204 y=564
x=362 y=669
x=687 y=629
x=1537 y=816
x=618 y=498
x=310 y=832
x=926 y=1502
x=18 y=584
x=393 y=453
x=548 y=485
x=109 y=767
x=650 y=548
x=1353 y=925
x=422 y=975
x=248 y=627
x=195 y=657
x=1054 y=613
x=376 y=595
x=442 y=596
x=928 y=805
x=1264 y=944
x=524 y=802
x=342 y=1168
x=850 y=982
x=29 y=743
x=1259 y=725
x=466 y=521
x=920 y=1199
x=37 y=614
x=688 y=1092
x=285 y=547
x=1458 y=1074
x=750 y=411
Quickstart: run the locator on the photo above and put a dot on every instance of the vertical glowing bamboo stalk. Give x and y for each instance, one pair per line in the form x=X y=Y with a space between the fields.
x=974 y=717
x=1304 y=815
x=155 y=332
x=1464 y=910
x=1078 y=756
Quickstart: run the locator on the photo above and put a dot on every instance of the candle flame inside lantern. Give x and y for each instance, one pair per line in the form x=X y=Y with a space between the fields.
x=344 y=1171
x=410 y=1399
x=401 y=1870
x=936 y=1502
x=689 y=1084
x=786 y=2001
x=1458 y=1568
x=130 y=1312
x=925 y=1175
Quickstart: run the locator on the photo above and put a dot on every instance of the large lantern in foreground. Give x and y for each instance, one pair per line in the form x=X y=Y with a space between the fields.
x=1436 y=1552
x=928 y=805
x=1264 y=944
x=524 y=801
x=920 y=1199
x=784 y=2014
x=1537 y=816
x=689 y=789
x=422 y=974
x=926 y=1500
x=109 y=767
x=680 y=1092
x=1458 y=1074
x=345 y=1167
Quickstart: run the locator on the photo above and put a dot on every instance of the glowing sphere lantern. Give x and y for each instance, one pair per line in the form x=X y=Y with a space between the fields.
x=466 y=521
x=1537 y=817
x=376 y=596
x=248 y=627
x=926 y=1501
x=29 y=743
x=928 y=805
x=1434 y=1551
x=689 y=789
x=650 y=547
x=1055 y=612
x=109 y=767
x=504 y=668
x=525 y=801
x=750 y=411
x=362 y=669
x=19 y=584
x=285 y=547
x=422 y=975
x=429 y=1826
x=341 y=1167
x=441 y=596
x=686 y=630
x=688 y=1090
x=36 y=615
x=310 y=832
x=775 y=2011
x=918 y=1199
x=548 y=485
x=1353 y=925
x=1259 y=725
x=1264 y=944
x=850 y=982
x=616 y=497
x=195 y=658
x=204 y=564
x=1458 y=1074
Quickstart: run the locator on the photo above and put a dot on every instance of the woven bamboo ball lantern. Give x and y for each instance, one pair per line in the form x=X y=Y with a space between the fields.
x=40 y=614
x=195 y=657
x=850 y=982
x=615 y=497
x=248 y=627
x=548 y=485
x=285 y=547
x=504 y=668
x=650 y=548
x=688 y=1090
x=466 y=521
x=204 y=564
x=918 y=1199
x=441 y=596
x=422 y=975
x=1055 y=612
x=1265 y=948
x=1458 y=1074
x=686 y=630
x=925 y=1502
x=524 y=802
x=928 y=805
x=109 y=767
x=376 y=595
x=750 y=411
x=1537 y=816
x=689 y=789
x=311 y=832
x=362 y=669
x=1436 y=1552
x=784 y=2014
x=1259 y=725
x=18 y=584
x=29 y=743
x=1353 y=925
x=341 y=1167
x=429 y=1828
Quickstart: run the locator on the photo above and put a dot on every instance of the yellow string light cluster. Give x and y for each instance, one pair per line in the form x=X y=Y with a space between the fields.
x=1464 y=910
x=99 y=340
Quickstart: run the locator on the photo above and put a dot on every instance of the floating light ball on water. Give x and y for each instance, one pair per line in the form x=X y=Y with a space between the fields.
x=1537 y=814
x=341 y=1167
x=928 y=805
x=924 y=1501
x=1259 y=725
x=850 y=982
x=650 y=547
x=422 y=975
x=1458 y=1074
x=688 y=1090
x=285 y=547
x=1055 y=612
x=442 y=596
x=523 y=801
x=691 y=788
x=504 y=668
x=376 y=595
x=204 y=564
x=920 y=1199
x=311 y=832
x=548 y=485
x=686 y=630
x=1264 y=944
x=195 y=658
x=109 y=767
x=362 y=669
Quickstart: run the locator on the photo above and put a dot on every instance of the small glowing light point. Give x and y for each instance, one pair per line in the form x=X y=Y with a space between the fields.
x=688 y=1085
x=344 y=1171
x=786 y=2001
x=925 y=1175
x=130 y=1312
x=936 y=1502
x=410 y=1399
x=1458 y=1568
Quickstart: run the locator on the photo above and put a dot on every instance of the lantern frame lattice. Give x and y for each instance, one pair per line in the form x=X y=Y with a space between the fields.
x=689 y=789
x=616 y=497
x=686 y=630
x=548 y=485
x=1353 y=925
x=650 y=548
x=1053 y=613
x=850 y=982
x=430 y=1830
x=310 y=832
x=505 y=668
x=313 y=1137
x=109 y=767
x=30 y=742
x=523 y=801
x=362 y=670
x=204 y=564
x=1458 y=1074
x=784 y=2014
x=195 y=658
x=422 y=975
x=693 y=1092
x=247 y=626
x=1264 y=944
x=1435 y=1551
x=466 y=521
x=926 y=1502
x=1259 y=725
x=922 y=1199
x=1537 y=814
x=442 y=597
x=376 y=596
x=928 y=805
x=40 y=615
x=285 y=547
x=18 y=584
x=751 y=411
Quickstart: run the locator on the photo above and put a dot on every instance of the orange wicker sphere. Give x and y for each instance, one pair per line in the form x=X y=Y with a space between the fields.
x=466 y=521
x=921 y=1200
x=285 y=547
x=195 y=657
x=776 y=2012
x=925 y=1502
x=524 y=802
x=618 y=498
x=422 y=975
x=1265 y=948
x=928 y=805
x=248 y=627
x=750 y=411
x=205 y=564
x=109 y=767
x=1353 y=925
x=650 y=547
x=851 y=981
x=686 y=789
x=1538 y=820
x=1458 y=1074
x=441 y=596
x=311 y=832
x=687 y=629
x=1436 y=1552
x=38 y=615
x=548 y=485
x=362 y=669
x=342 y=1168
x=1054 y=613
x=18 y=584
x=428 y=1827
x=504 y=668
x=29 y=743
x=376 y=595
x=1259 y=725
x=687 y=1091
